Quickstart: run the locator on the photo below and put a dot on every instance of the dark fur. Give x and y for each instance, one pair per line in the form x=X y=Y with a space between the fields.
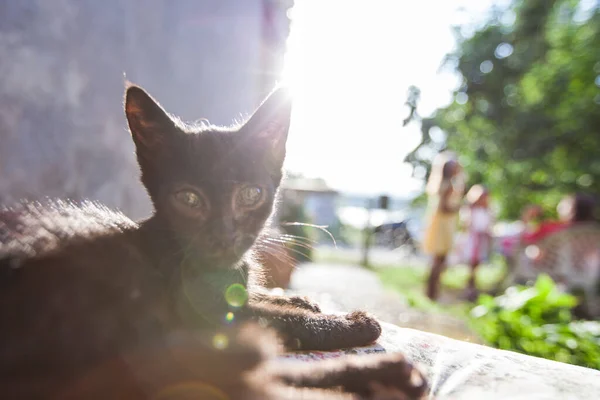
x=188 y=366
x=84 y=287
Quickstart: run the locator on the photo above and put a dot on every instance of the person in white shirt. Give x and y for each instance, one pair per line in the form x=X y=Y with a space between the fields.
x=479 y=222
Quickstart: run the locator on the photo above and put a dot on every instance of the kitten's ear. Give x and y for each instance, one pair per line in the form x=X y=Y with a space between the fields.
x=149 y=124
x=269 y=125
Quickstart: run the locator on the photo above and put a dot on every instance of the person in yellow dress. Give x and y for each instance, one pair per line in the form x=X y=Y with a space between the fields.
x=445 y=190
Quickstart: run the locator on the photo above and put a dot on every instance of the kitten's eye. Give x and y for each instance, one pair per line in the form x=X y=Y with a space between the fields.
x=189 y=198
x=250 y=196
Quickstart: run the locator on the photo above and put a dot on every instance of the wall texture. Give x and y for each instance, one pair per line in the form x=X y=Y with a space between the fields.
x=62 y=62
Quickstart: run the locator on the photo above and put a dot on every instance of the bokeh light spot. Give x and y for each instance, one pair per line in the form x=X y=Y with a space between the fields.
x=585 y=180
x=486 y=67
x=461 y=98
x=220 y=341
x=503 y=50
x=532 y=252
x=229 y=317
x=236 y=295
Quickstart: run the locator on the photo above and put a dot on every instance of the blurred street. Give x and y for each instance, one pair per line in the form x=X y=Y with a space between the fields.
x=378 y=256
x=345 y=287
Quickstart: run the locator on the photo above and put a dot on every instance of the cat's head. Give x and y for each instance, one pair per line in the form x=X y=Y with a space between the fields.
x=213 y=187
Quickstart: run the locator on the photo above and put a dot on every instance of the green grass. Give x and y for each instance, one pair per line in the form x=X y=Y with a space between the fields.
x=410 y=283
x=540 y=326
x=487 y=276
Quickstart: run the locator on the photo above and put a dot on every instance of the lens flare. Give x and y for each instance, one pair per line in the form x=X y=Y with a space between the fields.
x=229 y=317
x=220 y=341
x=236 y=295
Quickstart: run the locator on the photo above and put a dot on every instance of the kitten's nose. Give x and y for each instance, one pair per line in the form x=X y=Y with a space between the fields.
x=224 y=235
x=220 y=243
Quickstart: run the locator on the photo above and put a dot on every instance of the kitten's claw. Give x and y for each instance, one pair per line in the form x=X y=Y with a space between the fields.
x=364 y=324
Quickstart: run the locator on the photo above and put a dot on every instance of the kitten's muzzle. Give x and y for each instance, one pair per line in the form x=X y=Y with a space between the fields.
x=219 y=245
x=227 y=250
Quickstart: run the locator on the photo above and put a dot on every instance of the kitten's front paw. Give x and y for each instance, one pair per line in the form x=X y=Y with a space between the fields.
x=305 y=303
x=364 y=325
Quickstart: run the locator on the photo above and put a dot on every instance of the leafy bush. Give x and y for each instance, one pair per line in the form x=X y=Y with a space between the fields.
x=537 y=321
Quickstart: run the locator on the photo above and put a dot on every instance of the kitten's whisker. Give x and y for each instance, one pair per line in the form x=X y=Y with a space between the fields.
x=297 y=237
x=281 y=256
x=299 y=244
x=293 y=250
x=320 y=227
x=306 y=256
x=294 y=241
x=276 y=251
x=272 y=247
x=286 y=240
x=282 y=260
x=278 y=244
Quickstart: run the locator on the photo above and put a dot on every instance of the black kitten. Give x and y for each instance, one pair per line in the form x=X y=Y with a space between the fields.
x=81 y=284
x=188 y=366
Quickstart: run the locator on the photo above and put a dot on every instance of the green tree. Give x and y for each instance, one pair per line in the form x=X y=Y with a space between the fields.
x=526 y=118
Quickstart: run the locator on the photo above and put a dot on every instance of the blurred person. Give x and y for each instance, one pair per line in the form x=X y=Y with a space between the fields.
x=577 y=208
x=445 y=189
x=567 y=250
x=580 y=274
x=572 y=209
x=479 y=221
x=536 y=227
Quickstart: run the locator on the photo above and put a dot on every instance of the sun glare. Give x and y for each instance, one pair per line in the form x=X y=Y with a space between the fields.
x=349 y=65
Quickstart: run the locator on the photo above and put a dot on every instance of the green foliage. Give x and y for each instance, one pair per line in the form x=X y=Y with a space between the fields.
x=526 y=118
x=537 y=321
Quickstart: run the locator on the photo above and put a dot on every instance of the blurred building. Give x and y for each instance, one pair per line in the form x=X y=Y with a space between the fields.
x=62 y=128
x=316 y=198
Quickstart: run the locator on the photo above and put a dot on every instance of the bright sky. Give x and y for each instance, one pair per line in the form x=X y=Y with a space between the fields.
x=350 y=63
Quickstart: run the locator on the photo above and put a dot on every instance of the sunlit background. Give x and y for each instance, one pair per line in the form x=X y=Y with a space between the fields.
x=511 y=86
x=350 y=64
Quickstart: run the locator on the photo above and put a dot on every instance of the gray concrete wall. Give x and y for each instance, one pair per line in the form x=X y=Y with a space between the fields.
x=62 y=128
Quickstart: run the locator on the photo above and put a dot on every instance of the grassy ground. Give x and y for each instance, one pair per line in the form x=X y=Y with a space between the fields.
x=537 y=326
x=409 y=281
